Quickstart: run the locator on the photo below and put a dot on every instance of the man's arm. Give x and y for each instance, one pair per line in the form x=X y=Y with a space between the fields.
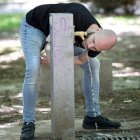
x=78 y=60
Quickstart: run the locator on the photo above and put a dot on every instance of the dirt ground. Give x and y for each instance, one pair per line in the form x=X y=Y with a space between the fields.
x=123 y=104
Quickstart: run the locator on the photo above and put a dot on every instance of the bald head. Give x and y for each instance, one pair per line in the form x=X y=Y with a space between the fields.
x=100 y=40
x=105 y=39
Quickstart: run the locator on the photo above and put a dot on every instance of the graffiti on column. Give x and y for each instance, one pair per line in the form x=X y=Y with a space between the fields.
x=61 y=31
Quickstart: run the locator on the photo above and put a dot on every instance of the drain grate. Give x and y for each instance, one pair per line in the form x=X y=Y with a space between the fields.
x=109 y=138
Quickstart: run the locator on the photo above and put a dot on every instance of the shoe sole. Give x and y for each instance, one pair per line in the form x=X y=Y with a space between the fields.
x=93 y=127
x=27 y=138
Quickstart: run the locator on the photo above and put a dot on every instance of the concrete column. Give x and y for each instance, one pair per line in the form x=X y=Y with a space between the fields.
x=62 y=75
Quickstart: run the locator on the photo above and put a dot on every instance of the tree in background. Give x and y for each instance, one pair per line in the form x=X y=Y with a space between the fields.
x=110 y=5
x=128 y=4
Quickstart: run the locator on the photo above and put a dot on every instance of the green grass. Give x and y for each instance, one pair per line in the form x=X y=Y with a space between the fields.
x=10 y=22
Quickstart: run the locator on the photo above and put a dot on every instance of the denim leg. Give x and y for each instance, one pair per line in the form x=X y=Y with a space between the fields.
x=91 y=89
x=31 y=42
x=91 y=85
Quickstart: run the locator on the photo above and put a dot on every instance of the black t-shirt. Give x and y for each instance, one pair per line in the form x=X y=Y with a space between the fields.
x=39 y=18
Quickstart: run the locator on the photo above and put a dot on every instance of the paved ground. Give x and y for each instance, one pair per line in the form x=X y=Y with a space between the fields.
x=43 y=131
x=124 y=106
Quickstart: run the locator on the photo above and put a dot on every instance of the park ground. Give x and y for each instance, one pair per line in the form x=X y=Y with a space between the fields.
x=123 y=104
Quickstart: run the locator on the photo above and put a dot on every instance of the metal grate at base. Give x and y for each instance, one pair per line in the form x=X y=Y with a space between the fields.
x=108 y=138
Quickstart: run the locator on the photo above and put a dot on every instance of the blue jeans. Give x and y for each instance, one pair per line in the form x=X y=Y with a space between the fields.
x=32 y=41
x=91 y=84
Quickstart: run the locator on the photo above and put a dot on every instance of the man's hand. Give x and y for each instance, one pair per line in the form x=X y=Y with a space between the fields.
x=44 y=60
x=81 y=59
